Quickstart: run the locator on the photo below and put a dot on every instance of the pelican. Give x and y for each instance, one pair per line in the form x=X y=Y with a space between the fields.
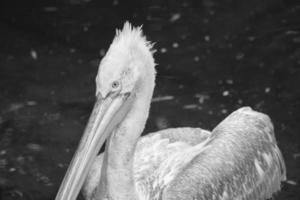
x=238 y=159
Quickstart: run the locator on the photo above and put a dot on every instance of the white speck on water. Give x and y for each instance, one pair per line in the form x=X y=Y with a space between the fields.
x=60 y=165
x=175 y=17
x=196 y=58
x=161 y=122
x=296 y=155
x=31 y=103
x=239 y=56
x=185 y=4
x=225 y=93
x=12 y=169
x=102 y=52
x=175 y=45
x=240 y=101
x=267 y=90
x=207 y=38
x=52 y=116
x=15 y=106
x=251 y=38
x=95 y=62
x=224 y=111
x=162 y=98
x=33 y=54
x=296 y=40
x=163 y=50
x=34 y=147
x=229 y=81
x=201 y=97
x=72 y=50
x=85 y=28
x=190 y=106
x=261 y=64
x=50 y=9
x=20 y=159
x=291 y=182
x=212 y=12
x=115 y=2
x=2 y=152
x=291 y=32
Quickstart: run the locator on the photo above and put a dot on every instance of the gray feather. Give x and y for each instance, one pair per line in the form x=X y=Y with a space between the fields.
x=226 y=169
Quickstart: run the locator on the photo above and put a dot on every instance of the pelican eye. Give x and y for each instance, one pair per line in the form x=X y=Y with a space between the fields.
x=115 y=84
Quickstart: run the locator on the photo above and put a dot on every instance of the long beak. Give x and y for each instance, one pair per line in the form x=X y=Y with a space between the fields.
x=107 y=113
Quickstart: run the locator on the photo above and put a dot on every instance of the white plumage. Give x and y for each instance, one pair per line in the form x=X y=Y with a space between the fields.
x=239 y=159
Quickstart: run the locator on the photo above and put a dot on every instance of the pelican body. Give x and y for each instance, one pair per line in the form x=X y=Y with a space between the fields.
x=238 y=159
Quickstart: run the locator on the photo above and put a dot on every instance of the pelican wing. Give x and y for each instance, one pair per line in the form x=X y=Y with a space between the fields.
x=159 y=157
x=240 y=161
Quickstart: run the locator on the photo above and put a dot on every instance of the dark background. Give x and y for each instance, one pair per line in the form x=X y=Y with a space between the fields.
x=214 y=57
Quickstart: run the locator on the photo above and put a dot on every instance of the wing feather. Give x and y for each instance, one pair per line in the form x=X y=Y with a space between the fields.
x=159 y=156
x=241 y=161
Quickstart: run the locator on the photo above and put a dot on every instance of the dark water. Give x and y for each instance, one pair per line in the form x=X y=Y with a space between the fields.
x=213 y=58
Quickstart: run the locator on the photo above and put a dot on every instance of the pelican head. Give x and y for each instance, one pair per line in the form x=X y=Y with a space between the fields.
x=126 y=74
